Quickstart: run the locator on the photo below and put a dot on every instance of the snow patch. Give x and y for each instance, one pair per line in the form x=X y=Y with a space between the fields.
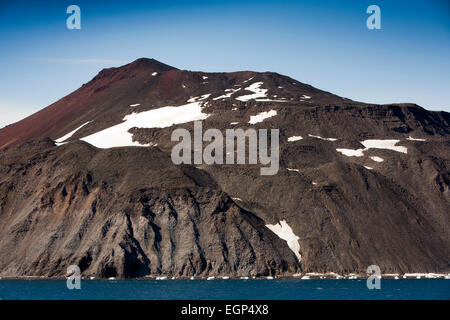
x=319 y=137
x=154 y=74
x=384 y=144
x=260 y=117
x=200 y=98
x=284 y=231
x=389 y=144
x=269 y=100
x=118 y=135
x=227 y=95
x=295 y=138
x=204 y=77
x=233 y=123
x=377 y=159
x=306 y=97
x=368 y=168
x=135 y=105
x=351 y=152
x=257 y=92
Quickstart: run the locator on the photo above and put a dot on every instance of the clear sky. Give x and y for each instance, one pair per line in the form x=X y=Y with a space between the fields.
x=322 y=43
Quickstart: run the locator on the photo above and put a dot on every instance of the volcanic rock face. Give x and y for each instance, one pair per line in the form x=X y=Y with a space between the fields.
x=358 y=184
x=125 y=213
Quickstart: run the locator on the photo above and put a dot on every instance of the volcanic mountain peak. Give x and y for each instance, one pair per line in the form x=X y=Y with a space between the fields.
x=358 y=184
x=147 y=84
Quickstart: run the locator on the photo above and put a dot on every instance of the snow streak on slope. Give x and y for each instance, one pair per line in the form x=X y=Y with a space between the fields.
x=227 y=95
x=118 y=135
x=71 y=133
x=321 y=138
x=351 y=152
x=257 y=92
x=284 y=231
x=261 y=116
x=377 y=159
x=295 y=138
x=415 y=139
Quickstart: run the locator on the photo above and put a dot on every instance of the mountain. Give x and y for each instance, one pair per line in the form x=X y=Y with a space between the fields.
x=89 y=181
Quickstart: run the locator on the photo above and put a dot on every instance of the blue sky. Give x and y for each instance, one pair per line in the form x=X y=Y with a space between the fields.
x=322 y=43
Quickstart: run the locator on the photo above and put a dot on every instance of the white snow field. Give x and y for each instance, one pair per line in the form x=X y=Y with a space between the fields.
x=260 y=117
x=284 y=231
x=71 y=133
x=389 y=144
x=118 y=135
x=257 y=92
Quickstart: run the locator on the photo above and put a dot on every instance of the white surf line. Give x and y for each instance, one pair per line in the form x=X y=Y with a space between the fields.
x=71 y=133
x=262 y=116
x=118 y=135
x=257 y=92
x=284 y=231
x=425 y=275
x=319 y=137
x=294 y=138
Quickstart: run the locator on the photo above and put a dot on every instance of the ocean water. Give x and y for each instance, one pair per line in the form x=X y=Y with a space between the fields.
x=438 y=289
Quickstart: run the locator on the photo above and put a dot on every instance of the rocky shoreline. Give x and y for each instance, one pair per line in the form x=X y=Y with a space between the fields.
x=303 y=276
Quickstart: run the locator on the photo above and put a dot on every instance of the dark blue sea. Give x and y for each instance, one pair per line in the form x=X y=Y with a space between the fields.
x=438 y=289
